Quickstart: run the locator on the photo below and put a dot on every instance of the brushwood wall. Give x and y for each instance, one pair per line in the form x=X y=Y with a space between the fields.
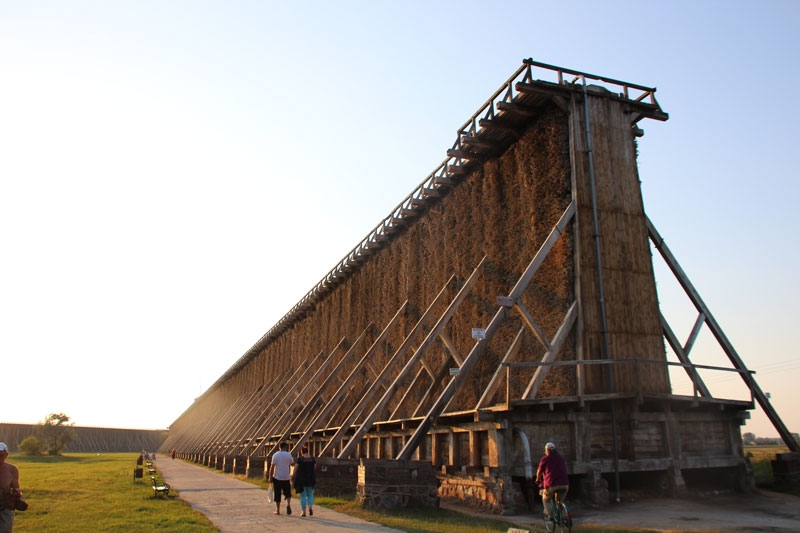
x=90 y=439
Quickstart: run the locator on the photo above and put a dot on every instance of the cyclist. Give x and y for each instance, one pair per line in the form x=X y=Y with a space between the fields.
x=552 y=476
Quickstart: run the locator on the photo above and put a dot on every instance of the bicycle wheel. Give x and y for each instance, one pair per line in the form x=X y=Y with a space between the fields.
x=563 y=522
x=549 y=521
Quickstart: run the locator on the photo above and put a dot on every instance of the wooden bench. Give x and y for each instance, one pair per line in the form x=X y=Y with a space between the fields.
x=159 y=489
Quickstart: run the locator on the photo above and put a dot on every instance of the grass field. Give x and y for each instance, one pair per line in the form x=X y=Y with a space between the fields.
x=761 y=461
x=90 y=492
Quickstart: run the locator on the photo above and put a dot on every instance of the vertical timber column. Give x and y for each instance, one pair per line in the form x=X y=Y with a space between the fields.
x=474 y=449
x=631 y=302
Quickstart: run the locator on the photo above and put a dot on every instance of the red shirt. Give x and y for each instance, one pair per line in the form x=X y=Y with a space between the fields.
x=554 y=470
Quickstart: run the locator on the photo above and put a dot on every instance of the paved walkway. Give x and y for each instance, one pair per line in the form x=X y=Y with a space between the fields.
x=236 y=506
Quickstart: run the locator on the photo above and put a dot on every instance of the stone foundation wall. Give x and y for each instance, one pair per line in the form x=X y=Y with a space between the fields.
x=786 y=470
x=493 y=493
x=336 y=476
x=390 y=484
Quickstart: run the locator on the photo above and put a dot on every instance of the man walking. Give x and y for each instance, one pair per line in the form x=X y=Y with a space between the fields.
x=280 y=472
x=9 y=483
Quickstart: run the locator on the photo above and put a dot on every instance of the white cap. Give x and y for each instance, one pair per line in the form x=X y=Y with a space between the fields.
x=550 y=446
x=3 y=447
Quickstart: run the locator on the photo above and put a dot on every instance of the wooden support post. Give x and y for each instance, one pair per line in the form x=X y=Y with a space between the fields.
x=474 y=448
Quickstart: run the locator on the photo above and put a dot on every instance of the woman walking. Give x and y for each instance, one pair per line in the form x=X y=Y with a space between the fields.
x=305 y=477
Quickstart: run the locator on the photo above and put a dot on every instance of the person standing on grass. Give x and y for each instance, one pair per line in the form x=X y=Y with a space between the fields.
x=280 y=472
x=552 y=476
x=305 y=477
x=9 y=484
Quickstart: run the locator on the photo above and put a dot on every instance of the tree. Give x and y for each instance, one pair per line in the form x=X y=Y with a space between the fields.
x=32 y=446
x=56 y=432
x=749 y=438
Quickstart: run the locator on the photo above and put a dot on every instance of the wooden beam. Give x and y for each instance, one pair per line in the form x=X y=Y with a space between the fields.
x=461 y=154
x=440 y=181
x=528 y=319
x=518 y=109
x=499 y=124
x=451 y=348
x=683 y=357
x=479 y=142
x=552 y=353
x=409 y=394
x=499 y=373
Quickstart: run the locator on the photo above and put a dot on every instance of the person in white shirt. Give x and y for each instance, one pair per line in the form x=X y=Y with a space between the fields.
x=280 y=472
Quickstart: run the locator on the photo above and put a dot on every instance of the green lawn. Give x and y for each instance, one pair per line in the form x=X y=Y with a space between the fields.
x=83 y=492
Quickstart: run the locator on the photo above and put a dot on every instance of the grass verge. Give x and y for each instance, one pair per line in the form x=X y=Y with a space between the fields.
x=88 y=492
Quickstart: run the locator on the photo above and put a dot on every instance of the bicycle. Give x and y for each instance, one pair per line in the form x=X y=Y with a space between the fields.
x=560 y=519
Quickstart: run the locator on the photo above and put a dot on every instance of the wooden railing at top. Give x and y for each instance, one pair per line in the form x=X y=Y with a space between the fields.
x=433 y=186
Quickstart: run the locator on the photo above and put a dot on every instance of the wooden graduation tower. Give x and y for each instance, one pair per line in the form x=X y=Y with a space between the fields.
x=508 y=301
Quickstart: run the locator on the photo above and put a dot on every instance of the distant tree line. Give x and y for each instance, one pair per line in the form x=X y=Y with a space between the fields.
x=750 y=439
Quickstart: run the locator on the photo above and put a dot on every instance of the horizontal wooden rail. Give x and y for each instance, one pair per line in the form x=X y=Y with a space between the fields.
x=511 y=365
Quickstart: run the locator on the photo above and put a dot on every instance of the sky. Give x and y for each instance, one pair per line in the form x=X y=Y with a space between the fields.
x=176 y=175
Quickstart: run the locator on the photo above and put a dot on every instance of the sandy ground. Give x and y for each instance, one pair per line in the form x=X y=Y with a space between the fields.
x=761 y=511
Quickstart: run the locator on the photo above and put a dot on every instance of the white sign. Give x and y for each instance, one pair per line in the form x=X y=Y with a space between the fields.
x=478 y=333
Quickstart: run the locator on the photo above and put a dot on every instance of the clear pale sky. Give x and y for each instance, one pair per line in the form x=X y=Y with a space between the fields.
x=176 y=175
